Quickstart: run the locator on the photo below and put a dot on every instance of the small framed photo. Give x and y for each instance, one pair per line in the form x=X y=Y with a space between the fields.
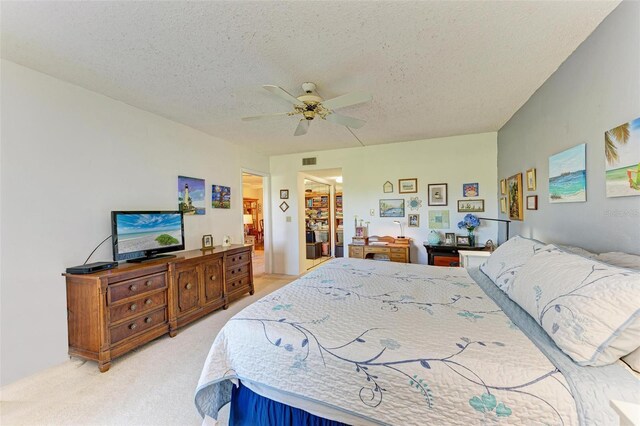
x=284 y=206
x=437 y=194
x=407 y=186
x=462 y=240
x=531 y=179
x=470 y=206
x=532 y=202
x=503 y=187
x=284 y=194
x=414 y=220
x=207 y=242
x=387 y=187
x=450 y=238
x=503 y=205
x=470 y=190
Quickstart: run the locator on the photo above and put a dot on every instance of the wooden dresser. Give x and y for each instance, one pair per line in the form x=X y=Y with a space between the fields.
x=396 y=250
x=112 y=312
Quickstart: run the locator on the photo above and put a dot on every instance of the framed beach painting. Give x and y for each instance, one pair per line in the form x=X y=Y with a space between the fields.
x=568 y=175
x=191 y=195
x=514 y=197
x=220 y=197
x=622 y=154
x=407 y=186
x=392 y=208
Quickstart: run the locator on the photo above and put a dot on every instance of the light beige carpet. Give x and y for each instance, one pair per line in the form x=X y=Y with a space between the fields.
x=153 y=385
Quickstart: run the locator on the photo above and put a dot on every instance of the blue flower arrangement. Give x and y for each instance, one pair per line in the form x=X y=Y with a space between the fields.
x=470 y=222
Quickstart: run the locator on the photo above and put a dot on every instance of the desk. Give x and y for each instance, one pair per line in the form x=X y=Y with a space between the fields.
x=445 y=255
x=395 y=252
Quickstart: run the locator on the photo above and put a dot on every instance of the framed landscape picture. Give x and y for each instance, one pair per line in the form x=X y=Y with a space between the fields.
x=568 y=175
x=407 y=186
x=514 y=198
x=392 y=208
x=220 y=197
x=437 y=194
x=622 y=153
x=191 y=195
x=471 y=206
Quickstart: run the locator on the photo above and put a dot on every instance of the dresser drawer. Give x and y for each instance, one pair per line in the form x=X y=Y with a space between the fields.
x=238 y=258
x=384 y=250
x=138 y=325
x=238 y=271
x=398 y=257
x=239 y=285
x=356 y=252
x=136 y=306
x=136 y=287
x=395 y=250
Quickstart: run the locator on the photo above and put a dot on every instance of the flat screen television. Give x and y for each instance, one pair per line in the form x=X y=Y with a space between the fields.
x=139 y=236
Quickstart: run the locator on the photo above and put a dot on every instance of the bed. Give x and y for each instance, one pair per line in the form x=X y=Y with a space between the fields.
x=364 y=342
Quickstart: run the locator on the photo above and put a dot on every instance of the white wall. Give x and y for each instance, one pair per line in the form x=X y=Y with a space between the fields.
x=69 y=157
x=453 y=160
x=596 y=89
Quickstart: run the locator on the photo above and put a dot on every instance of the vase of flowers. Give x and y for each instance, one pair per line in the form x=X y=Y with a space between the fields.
x=470 y=223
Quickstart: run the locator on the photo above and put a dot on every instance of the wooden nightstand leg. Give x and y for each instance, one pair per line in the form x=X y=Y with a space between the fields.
x=104 y=366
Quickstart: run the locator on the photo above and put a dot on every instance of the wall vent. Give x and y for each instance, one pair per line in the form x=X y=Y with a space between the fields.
x=311 y=161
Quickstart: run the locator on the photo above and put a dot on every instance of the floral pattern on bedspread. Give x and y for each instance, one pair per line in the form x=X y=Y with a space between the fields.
x=394 y=343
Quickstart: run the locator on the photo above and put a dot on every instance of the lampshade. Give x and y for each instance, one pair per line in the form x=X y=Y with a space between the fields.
x=247 y=219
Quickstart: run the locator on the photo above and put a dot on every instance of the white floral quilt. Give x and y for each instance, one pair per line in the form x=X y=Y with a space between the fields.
x=390 y=343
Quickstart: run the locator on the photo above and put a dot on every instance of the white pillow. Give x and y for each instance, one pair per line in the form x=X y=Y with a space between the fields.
x=622 y=260
x=578 y=250
x=633 y=360
x=590 y=309
x=504 y=263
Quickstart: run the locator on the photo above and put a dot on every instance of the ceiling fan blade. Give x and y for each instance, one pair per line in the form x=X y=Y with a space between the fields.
x=302 y=128
x=347 y=100
x=266 y=116
x=354 y=123
x=280 y=92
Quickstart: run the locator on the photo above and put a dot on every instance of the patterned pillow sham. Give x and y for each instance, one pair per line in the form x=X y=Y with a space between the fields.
x=504 y=263
x=590 y=309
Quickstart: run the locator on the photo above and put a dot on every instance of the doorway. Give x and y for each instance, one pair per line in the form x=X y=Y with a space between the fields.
x=323 y=219
x=253 y=218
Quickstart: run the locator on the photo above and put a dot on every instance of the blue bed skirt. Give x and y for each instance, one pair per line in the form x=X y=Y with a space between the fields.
x=250 y=409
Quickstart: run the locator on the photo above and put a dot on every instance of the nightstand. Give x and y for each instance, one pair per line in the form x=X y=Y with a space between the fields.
x=472 y=259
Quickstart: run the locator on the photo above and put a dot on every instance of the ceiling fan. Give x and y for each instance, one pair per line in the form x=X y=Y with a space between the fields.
x=310 y=105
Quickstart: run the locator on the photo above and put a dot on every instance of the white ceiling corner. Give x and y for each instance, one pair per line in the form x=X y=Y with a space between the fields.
x=434 y=68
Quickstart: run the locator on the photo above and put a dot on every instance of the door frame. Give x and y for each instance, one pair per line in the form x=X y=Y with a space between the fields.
x=266 y=215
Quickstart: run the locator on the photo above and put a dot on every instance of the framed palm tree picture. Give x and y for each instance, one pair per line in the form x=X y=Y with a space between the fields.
x=622 y=153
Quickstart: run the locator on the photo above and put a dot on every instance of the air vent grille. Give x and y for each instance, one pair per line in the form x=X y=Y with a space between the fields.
x=311 y=161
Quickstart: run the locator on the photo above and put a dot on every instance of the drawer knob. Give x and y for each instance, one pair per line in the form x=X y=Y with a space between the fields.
x=147 y=320
x=147 y=283
x=133 y=307
x=147 y=302
x=188 y=286
x=133 y=287
x=213 y=277
x=233 y=259
x=233 y=271
x=132 y=326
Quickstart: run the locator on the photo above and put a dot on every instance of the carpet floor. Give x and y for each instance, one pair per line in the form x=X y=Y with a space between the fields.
x=153 y=385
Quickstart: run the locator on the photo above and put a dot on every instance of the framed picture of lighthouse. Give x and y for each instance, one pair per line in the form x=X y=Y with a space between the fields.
x=191 y=200
x=220 y=197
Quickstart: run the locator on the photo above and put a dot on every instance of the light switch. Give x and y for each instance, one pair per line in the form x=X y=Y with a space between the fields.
x=372 y=212
x=288 y=218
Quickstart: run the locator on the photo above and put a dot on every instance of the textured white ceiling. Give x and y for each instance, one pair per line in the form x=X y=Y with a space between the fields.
x=434 y=68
